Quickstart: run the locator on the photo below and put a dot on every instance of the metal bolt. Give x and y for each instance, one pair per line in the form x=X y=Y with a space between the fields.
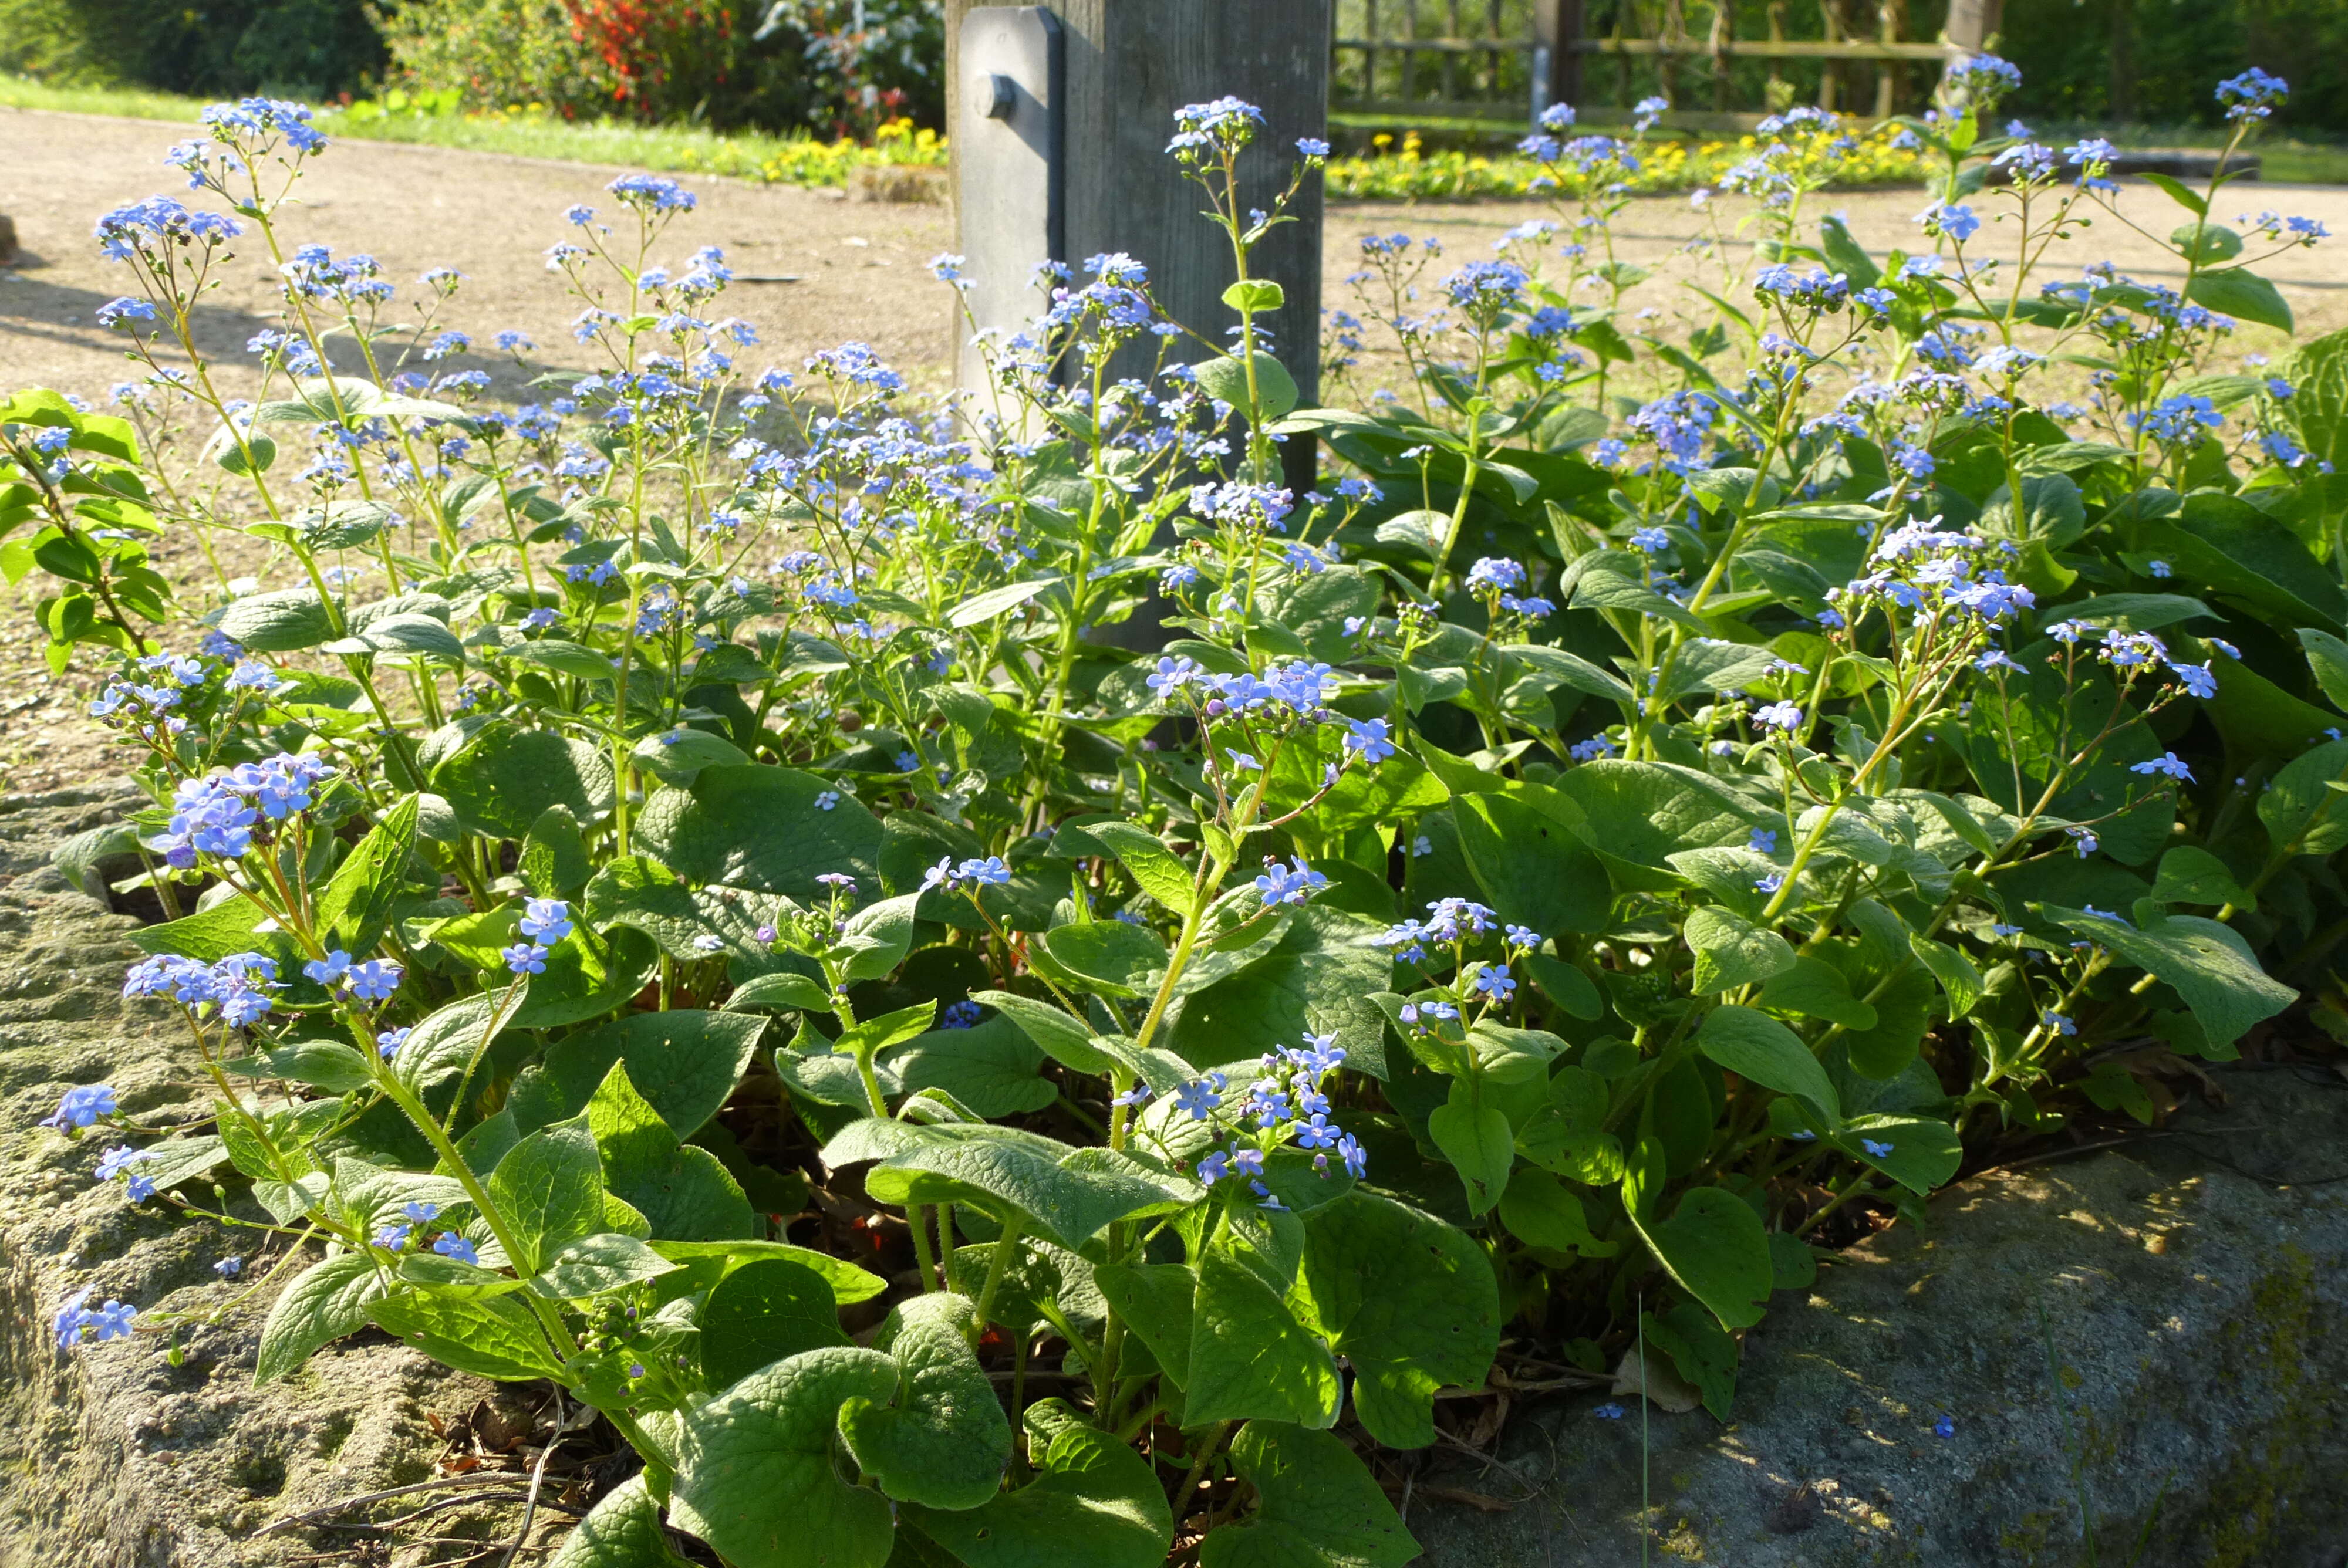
x=997 y=94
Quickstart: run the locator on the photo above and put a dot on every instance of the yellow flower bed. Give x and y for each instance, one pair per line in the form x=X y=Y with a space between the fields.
x=1410 y=172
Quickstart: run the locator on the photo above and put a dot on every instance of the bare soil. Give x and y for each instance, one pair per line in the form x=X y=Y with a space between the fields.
x=813 y=269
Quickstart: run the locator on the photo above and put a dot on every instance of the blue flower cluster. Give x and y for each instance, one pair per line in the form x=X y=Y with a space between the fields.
x=216 y=816
x=1289 y=1100
x=236 y=988
x=78 y=1322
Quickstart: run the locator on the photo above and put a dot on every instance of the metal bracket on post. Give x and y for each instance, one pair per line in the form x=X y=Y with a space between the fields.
x=1007 y=145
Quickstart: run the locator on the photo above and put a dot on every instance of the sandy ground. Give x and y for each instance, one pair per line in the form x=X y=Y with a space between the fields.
x=853 y=270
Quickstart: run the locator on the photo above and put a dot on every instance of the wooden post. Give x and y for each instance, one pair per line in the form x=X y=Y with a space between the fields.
x=1974 y=23
x=1128 y=64
x=1557 y=27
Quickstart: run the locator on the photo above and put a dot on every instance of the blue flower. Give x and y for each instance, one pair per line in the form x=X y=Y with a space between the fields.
x=229 y=1267
x=1875 y=1149
x=1199 y=1096
x=1953 y=219
x=387 y=1044
x=524 y=959
x=2055 y=1023
x=1369 y=739
x=1609 y=1411
x=1288 y=884
x=1312 y=147
x=1214 y=1167
x=375 y=980
x=82 y=1106
x=545 y=919
x=454 y=1245
x=1763 y=841
x=1945 y=1427
x=2167 y=764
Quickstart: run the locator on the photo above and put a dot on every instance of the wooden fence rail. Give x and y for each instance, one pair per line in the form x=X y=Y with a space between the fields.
x=1558 y=45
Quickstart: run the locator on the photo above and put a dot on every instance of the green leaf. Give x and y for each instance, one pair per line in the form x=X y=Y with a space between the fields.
x=1226 y=378
x=451 y=1277
x=2193 y=876
x=1068 y=1194
x=1531 y=867
x=755 y=1477
x=942 y=1441
x=1566 y=985
x=1903 y=1009
x=622 y=1531
x=781 y=990
x=1538 y=1210
x=1759 y=1049
x=683 y=1063
x=768 y=1310
x=595 y=1264
x=2327 y=657
x=2206 y=964
x=212 y=934
x=554 y=856
x=442 y=1049
x=1960 y=982
x=489 y=1337
x=2240 y=292
x=564 y=657
x=1637 y=815
x=1157 y=1302
x=283 y=622
x=1252 y=294
x=502 y=782
x=1922 y=1153
x=984 y=607
x=2231 y=550
x=990 y=1067
x=1846 y=255
x=676 y=756
x=1410 y=1300
x=404 y=631
x=327 y=1064
x=1096 y=1503
x=1560 y=667
x=326 y=1301
x=551 y=1189
x=354 y=907
x=1107 y=958
x=1700 y=1351
x=1714 y=1245
x=1317 y=1506
x=1317 y=980
x=1251 y=1359
x=1038 y=1287
x=1474 y=1137
x=760 y=828
x=1731 y=951
x=1155 y=868
x=848 y=1283
x=2184 y=195
x=1064 y=1037
x=2302 y=816
x=875 y=939
x=684 y=1193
